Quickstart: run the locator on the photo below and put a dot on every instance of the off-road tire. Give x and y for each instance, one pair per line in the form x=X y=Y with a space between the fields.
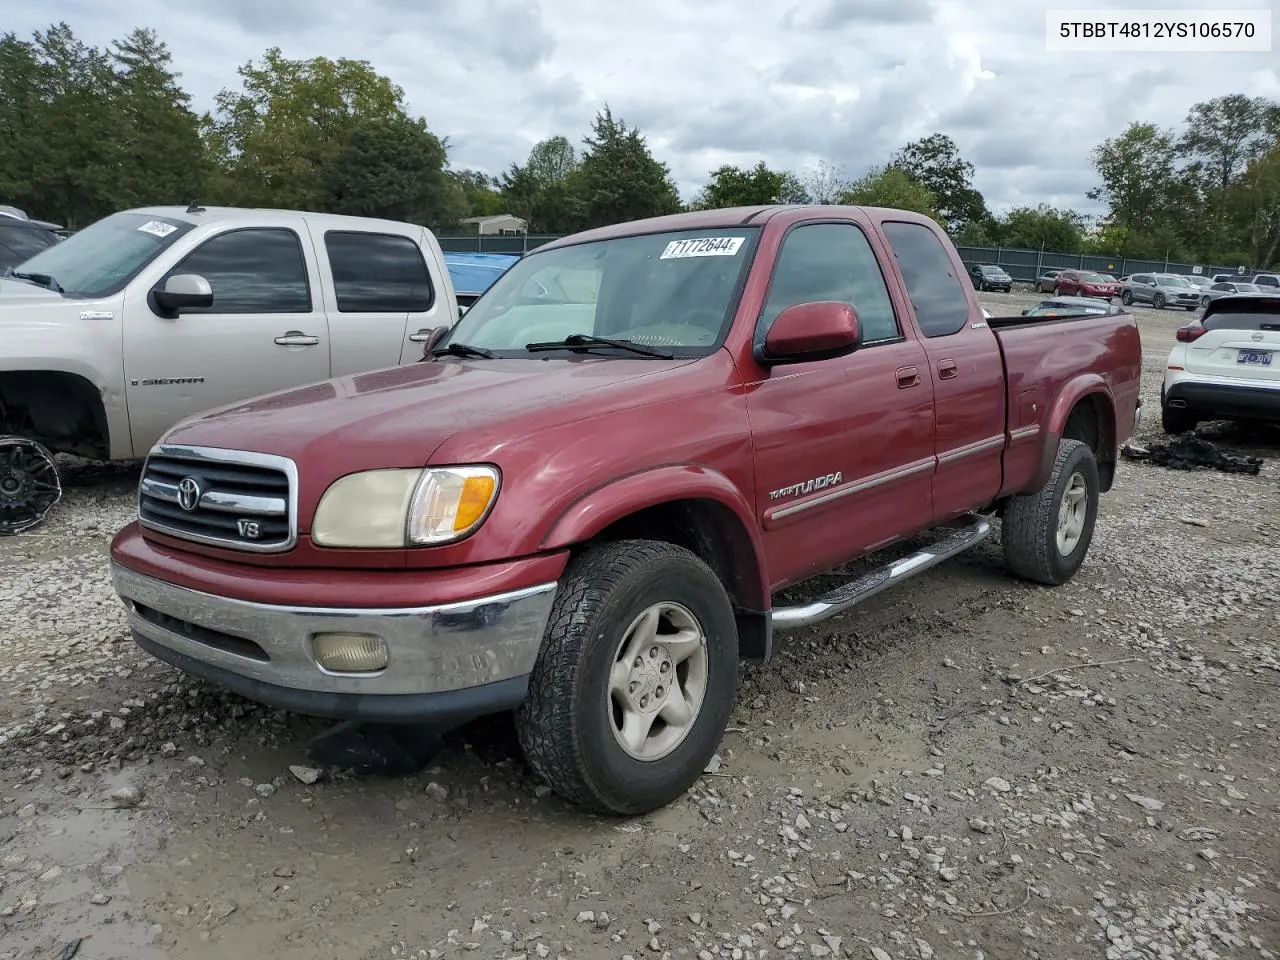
x=564 y=724
x=1175 y=421
x=1030 y=524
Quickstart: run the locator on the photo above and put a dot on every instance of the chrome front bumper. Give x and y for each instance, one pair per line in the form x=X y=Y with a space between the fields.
x=433 y=650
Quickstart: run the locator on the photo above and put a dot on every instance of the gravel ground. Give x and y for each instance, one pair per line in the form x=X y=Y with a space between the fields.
x=965 y=767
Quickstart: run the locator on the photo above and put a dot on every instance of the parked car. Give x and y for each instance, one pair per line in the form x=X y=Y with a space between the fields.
x=1085 y=283
x=987 y=276
x=473 y=273
x=1219 y=290
x=1046 y=281
x=1266 y=280
x=20 y=240
x=585 y=509
x=152 y=315
x=1228 y=277
x=1160 y=290
x=1225 y=365
x=1072 y=307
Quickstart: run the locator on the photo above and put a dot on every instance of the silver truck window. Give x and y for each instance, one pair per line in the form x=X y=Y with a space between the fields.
x=831 y=261
x=252 y=270
x=377 y=272
x=940 y=301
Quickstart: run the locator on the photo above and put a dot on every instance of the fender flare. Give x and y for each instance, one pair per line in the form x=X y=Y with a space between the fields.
x=1075 y=390
x=596 y=509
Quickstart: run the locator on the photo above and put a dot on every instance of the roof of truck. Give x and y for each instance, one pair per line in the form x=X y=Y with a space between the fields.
x=263 y=216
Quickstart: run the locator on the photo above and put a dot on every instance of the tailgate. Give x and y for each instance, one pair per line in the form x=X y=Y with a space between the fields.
x=1241 y=340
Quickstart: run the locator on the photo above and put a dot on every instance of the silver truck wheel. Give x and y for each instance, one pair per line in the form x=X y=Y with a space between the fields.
x=29 y=484
x=1046 y=535
x=636 y=678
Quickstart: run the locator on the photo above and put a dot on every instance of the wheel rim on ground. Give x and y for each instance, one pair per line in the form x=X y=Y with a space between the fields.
x=1071 y=514
x=29 y=484
x=658 y=681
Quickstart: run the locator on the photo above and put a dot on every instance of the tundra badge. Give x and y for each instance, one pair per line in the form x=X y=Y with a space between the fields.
x=809 y=486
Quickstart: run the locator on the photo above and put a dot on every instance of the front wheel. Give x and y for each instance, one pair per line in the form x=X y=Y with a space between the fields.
x=1158 y=301
x=637 y=676
x=1046 y=535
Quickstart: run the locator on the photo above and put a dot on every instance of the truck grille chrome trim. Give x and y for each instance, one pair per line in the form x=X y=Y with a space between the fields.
x=223 y=498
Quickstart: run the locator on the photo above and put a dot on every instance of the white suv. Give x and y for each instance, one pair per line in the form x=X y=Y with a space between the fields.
x=1225 y=365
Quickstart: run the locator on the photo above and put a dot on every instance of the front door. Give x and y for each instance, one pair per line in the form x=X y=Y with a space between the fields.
x=843 y=447
x=967 y=369
x=265 y=331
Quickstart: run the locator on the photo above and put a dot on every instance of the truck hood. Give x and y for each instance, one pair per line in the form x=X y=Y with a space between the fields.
x=20 y=291
x=399 y=416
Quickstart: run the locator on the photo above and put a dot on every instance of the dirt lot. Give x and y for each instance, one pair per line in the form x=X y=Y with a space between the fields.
x=968 y=767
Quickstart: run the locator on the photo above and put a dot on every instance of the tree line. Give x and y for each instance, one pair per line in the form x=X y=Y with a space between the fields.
x=87 y=131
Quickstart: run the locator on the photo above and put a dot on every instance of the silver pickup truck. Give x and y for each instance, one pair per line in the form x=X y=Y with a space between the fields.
x=150 y=316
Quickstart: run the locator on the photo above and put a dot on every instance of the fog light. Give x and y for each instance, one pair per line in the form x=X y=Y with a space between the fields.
x=349 y=652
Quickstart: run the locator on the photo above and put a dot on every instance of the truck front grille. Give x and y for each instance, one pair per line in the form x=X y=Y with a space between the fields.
x=224 y=498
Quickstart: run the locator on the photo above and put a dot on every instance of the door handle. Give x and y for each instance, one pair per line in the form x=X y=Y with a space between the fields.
x=947 y=369
x=421 y=336
x=908 y=377
x=296 y=338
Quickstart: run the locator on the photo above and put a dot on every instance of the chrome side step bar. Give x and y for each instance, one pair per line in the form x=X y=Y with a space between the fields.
x=850 y=594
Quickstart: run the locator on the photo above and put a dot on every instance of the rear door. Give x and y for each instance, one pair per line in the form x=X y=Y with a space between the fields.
x=966 y=368
x=1242 y=342
x=381 y=294
x=266 y=330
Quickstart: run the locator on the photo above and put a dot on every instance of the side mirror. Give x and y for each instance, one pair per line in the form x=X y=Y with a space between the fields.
x=434 y=337
x=810 y=331
x=181 y=291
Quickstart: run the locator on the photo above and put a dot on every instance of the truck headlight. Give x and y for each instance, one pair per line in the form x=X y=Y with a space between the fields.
x=404 y=508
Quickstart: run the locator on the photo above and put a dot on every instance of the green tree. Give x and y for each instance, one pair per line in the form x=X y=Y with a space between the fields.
x=394 y=168
x=478 y=192
x=545 y=190
x=1138 y=170
x=276 y=138
x=161 y=158
x=731 y=186
x=1042 y=226
x=620 y=179
x=825 y=183
x=891 y=186
x=1254 y=204
x=935 y=161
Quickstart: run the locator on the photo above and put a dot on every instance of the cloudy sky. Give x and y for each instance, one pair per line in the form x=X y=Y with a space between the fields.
x=722 y=81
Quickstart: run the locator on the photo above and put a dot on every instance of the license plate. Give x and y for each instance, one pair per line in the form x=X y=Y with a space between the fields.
x=1260 y=357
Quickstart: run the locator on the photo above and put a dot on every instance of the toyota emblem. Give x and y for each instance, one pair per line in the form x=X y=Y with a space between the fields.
x=189 y=493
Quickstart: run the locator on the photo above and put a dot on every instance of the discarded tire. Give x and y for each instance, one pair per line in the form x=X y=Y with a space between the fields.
x=29 y=484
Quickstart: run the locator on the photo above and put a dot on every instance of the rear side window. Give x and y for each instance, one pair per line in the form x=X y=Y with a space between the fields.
x=831 y=261
x=1264 y=280
x=377 y=273
x=942 y=307
x=19 y=244
x=256 y=270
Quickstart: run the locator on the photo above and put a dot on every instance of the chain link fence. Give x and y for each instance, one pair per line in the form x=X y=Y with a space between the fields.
x=1026 y=265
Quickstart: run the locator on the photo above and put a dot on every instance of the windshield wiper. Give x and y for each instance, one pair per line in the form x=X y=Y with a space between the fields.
x=44 y=279
x=461 y=350
x=584 y=341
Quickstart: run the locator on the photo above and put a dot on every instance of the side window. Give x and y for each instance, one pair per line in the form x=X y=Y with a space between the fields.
x=256 y=270
x=1142 y=278
x=942 y=307
x=831 y=261
x=378 y=273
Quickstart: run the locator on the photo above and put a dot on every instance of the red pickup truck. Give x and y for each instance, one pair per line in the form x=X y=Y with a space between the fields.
x=583 y=503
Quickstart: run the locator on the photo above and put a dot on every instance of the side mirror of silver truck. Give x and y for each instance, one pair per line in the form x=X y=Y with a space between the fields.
x=182 y=290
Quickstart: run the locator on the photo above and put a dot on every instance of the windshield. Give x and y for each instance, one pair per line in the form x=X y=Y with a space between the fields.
x=669 y=290
x=1247 y=288
x=100 y=259
x=993 y=271
x=1172 y=280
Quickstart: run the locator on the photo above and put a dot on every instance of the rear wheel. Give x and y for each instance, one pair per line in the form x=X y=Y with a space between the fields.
x=636 y=678
x=1046 y=535
x=1175 y=421
x=29 y=484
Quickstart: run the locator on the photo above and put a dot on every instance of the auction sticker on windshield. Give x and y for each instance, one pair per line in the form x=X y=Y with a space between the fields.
x=157 y=228
x=702 y=247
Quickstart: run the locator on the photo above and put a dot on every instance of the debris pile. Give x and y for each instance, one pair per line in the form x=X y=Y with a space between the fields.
x=1190 y=452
